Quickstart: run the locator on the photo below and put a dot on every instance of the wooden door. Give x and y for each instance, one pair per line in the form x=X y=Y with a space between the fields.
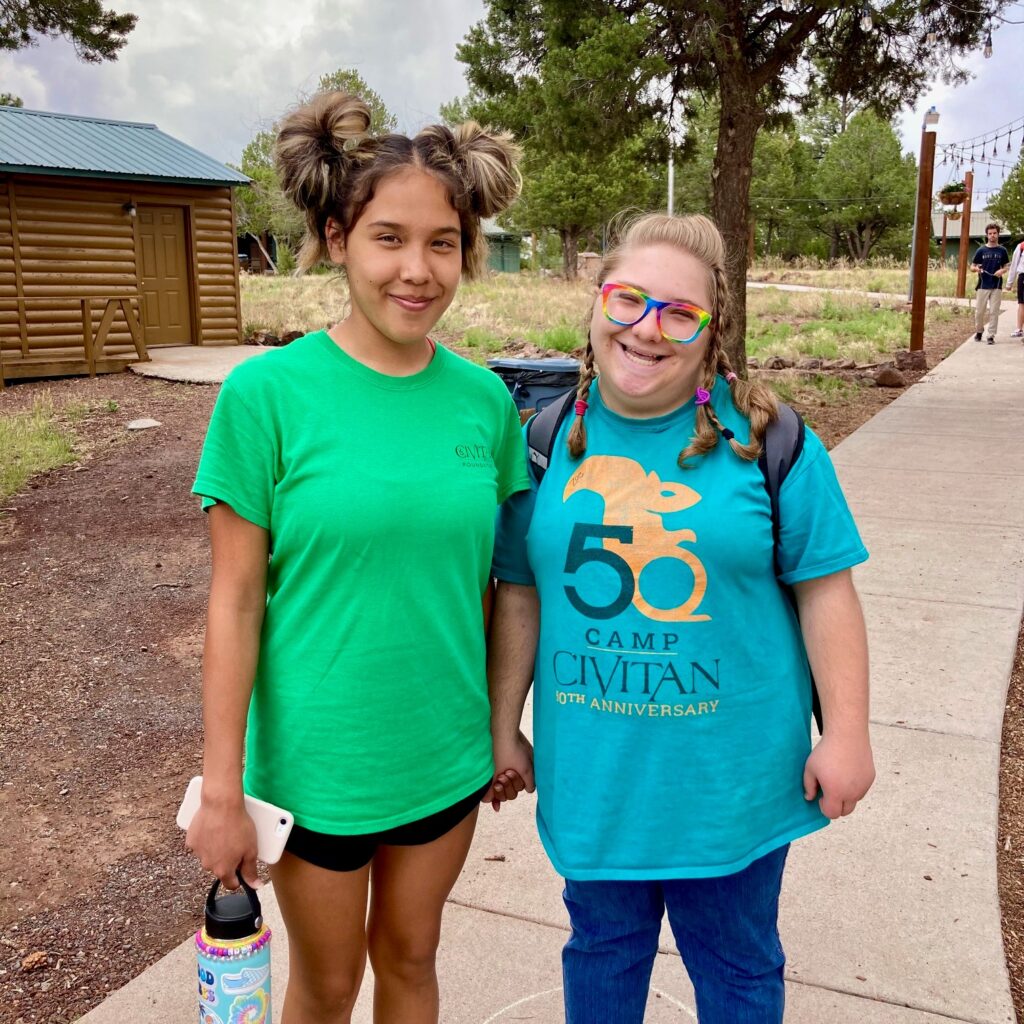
x=163 y=275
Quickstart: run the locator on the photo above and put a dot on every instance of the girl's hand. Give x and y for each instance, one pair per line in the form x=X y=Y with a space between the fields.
x=514 y=759
x=223 y=837
x=842 y=767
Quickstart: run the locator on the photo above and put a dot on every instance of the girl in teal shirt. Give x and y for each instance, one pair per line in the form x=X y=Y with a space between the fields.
x=672 y=694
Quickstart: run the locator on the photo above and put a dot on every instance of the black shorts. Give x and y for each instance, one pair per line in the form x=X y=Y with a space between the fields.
x=349 y=853
x=1020 y=286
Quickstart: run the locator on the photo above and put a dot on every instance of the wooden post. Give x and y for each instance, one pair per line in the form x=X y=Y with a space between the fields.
x=965 y=237
x=924 y=231
x=944 y=219
x=90 y=354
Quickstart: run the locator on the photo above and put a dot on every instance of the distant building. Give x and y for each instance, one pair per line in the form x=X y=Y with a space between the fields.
x=503 y=247
x=114 y=237
x=253 y=252
x=979 y=218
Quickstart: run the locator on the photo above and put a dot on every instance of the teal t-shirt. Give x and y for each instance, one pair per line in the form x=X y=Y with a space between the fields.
x=672 y=696
x=369 y=708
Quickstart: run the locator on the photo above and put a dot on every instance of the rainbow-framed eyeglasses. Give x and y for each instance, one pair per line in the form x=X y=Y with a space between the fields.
x=681 y=322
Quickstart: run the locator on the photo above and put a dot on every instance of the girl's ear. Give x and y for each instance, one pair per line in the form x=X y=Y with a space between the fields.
x=335 y=241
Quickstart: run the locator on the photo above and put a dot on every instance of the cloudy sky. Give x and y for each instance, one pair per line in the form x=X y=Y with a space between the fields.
x=992 y=98
x=213 y=73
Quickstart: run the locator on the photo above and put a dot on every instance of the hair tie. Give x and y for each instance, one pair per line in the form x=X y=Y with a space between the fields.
x=702 y=397
x=727 y=434
x=730 y=377
x=581 y=406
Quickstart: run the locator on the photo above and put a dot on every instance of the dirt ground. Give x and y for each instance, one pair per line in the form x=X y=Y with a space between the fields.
x=103 y=576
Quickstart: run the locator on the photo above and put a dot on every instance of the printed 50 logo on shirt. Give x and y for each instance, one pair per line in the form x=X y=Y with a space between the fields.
x=631 y=536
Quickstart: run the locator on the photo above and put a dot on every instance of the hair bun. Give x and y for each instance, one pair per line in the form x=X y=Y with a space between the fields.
x=313 y=140
x=491 y=161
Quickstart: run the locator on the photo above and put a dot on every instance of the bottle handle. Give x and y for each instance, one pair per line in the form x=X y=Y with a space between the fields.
x=250 y=892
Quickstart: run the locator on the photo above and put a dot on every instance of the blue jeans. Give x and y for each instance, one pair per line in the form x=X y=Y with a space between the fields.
x=725 y=928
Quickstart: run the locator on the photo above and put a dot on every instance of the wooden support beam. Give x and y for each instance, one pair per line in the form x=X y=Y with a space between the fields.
x=136 y=329
x=101 y=333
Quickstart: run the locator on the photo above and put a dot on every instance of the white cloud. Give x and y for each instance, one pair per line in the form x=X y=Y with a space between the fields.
x=213 y=73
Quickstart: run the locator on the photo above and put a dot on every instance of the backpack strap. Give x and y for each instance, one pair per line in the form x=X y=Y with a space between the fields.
x=542 y=430
x=783 y=443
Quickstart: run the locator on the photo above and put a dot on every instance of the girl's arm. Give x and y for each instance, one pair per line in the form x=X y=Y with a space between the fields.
x=832 y=623
x=1018 y=256
x=511 y=650
x=222 y=834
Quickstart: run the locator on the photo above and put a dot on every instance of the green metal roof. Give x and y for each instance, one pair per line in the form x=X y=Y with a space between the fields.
x=38 y=142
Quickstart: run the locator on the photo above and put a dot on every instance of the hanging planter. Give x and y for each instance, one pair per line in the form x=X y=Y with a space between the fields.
x=952 y=194
x=953 y=215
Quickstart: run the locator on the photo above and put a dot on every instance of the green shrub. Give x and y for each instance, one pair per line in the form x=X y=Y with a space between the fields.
x=286 y=261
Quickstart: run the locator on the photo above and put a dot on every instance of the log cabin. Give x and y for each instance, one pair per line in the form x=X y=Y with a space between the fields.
x=114 y=238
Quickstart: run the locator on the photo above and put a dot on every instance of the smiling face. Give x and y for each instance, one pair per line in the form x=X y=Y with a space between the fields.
x=403 y=261
x=641 y=373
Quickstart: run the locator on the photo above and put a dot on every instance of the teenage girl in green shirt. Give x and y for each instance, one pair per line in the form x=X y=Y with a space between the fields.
x=351 y=480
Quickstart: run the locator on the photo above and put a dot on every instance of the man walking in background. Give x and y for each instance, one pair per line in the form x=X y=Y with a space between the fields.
x=990 y=264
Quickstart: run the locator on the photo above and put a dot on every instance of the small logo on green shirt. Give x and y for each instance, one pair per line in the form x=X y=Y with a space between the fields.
x=474 y=454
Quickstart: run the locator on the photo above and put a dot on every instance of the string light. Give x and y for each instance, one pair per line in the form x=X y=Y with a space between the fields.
x=867 y=23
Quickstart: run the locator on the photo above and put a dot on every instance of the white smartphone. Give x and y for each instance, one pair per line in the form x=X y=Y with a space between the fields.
x=273 y=824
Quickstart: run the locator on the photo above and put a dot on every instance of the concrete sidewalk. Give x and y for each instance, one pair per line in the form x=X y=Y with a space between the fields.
x=890 y=916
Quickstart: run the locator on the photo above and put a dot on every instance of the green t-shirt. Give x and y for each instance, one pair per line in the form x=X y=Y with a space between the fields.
x=369 y=707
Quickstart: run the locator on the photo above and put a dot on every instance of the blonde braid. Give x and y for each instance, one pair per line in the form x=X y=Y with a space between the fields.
x=706 y=423
x=577 y=439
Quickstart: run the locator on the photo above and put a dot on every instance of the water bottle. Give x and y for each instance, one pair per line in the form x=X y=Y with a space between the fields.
x=233 y=954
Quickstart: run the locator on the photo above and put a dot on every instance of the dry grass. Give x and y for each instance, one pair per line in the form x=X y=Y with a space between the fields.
x=517 y=312
x=486 y=315
x=886 y=276
x=279 y=304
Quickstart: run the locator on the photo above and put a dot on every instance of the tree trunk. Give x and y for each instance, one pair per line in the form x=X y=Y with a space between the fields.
x=833 y=243
x=266 y=255
x=570 y=251
x=740 y=120
x=866 y=241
